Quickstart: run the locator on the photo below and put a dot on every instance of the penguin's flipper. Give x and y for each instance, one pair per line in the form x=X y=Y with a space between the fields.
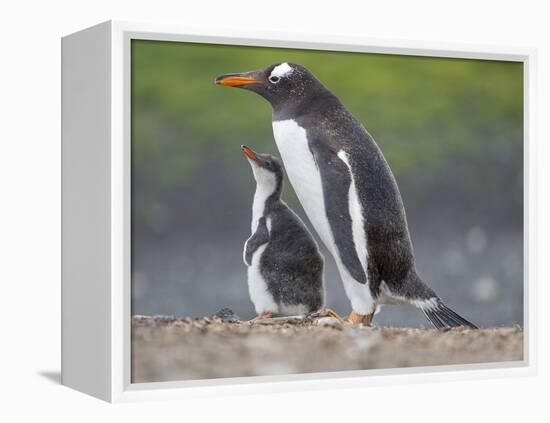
x=258 y=238
x=336 y=181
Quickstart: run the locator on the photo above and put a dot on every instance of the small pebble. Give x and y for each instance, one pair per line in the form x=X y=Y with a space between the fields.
x=227 y=315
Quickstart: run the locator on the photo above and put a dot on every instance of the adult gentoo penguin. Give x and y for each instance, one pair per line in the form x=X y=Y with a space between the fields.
x=285 y=267
x=348 y=192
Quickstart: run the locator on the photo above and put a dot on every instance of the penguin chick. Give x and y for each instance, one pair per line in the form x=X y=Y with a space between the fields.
x=285 y=267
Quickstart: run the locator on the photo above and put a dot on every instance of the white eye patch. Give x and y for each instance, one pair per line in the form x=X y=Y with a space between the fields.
x=281 y=71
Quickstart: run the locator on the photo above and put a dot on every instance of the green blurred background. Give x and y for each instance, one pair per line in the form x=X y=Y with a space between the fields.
x=451 y=130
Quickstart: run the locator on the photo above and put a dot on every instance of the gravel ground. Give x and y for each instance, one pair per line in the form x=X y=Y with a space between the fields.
x=168 y=349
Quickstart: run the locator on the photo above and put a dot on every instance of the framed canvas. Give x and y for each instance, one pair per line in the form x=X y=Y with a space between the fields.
x=216 y=242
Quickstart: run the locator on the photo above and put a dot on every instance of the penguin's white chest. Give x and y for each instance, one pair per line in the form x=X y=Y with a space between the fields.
x=305 y=178
x=257 y=286
x=304 y=175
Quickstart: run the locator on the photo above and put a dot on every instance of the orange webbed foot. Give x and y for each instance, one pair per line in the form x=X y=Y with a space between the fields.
x=265 y=315
x=356 y=318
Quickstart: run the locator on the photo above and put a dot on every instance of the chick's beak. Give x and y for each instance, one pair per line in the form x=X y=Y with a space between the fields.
x=249 y=153
x=238 y=79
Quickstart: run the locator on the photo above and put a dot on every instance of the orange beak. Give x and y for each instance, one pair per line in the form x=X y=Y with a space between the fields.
x=236 y=80
x=249 y=153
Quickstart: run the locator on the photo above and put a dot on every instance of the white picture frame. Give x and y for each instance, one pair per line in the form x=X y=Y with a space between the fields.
x=96 y=213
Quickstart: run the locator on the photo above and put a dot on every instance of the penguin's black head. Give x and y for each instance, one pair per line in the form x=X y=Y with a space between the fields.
x=265 y=161
x=267 y=169
x=281 y=84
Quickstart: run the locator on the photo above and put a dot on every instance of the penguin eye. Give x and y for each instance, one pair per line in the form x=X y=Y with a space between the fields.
x=274 y=79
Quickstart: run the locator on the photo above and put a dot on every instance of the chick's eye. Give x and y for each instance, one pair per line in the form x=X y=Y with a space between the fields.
x=274 y=79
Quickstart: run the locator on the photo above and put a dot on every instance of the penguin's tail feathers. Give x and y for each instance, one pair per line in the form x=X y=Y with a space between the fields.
x=441 y=316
